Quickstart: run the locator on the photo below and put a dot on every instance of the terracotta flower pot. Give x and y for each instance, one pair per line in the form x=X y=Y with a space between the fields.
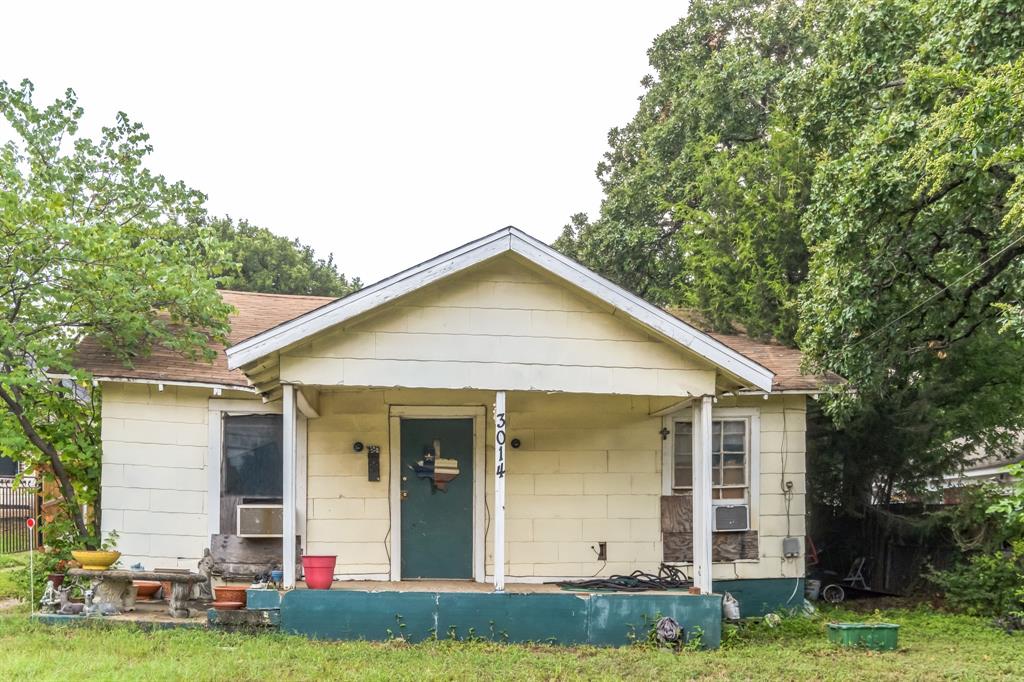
x=95 y=560
x=57 y=579
x=230 y=593
x=318 y=571
x=147 y=588
x=167 y=583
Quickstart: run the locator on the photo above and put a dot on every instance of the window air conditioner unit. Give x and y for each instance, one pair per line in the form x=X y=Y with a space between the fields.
x=732 y=517
x=260 y=520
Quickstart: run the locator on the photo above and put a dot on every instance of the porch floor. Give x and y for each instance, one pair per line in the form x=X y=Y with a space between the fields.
x=460 y=586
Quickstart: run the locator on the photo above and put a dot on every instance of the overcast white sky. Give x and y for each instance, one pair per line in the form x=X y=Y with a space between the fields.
x=382 y=132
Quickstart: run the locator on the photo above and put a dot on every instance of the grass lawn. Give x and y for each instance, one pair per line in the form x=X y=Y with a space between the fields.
x=933 y=646
x=10 y=564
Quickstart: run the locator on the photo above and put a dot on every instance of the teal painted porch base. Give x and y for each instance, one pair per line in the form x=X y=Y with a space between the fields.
x=764 y=596
x=559 y=618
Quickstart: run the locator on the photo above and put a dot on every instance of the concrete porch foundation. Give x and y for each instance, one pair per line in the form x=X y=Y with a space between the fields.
x=535 y=613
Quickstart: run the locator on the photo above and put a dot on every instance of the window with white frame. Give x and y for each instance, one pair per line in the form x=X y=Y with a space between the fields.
x=730 y=460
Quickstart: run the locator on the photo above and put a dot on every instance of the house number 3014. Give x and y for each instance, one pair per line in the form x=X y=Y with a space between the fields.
x=499 y=440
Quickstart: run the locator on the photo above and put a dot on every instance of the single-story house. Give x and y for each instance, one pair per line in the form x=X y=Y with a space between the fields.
x=498 y=414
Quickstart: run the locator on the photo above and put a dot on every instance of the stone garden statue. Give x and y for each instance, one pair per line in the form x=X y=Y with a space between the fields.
x=205 y=588
x=90 y=609
x=51 y=599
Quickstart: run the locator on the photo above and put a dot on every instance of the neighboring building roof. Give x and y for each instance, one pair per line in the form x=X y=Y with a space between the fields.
x=979 y=462
x=782 y=360
x=507 y=240
x=254 y=313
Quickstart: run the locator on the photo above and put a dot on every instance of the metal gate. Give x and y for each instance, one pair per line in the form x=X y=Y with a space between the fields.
x=17 y=505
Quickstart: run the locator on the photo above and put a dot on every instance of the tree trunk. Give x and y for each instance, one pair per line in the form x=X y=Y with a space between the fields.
x=67 y=489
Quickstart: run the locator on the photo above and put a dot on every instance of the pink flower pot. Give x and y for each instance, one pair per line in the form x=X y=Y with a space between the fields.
x=318 y=571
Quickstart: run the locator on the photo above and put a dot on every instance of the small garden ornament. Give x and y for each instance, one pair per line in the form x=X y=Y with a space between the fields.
x=205 y=588
x=50 y=601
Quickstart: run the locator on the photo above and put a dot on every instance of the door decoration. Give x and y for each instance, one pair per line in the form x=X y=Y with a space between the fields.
x=438 y=470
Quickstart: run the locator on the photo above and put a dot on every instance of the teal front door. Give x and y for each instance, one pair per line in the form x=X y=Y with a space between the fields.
x=436 y=479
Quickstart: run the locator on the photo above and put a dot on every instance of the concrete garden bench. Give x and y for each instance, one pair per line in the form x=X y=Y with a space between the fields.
x=113 y=587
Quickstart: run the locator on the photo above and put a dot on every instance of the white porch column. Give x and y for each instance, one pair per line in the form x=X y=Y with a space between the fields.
x=702 y=522
x=288 y=420
x=499 y=491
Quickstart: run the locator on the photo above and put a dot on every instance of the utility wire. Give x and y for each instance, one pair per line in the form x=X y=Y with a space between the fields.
x=940 y=291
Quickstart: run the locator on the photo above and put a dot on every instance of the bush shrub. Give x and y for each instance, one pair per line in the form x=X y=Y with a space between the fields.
x=988 y=584
x=990 y=529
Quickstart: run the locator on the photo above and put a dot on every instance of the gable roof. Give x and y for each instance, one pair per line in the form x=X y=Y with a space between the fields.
x=253 y=314
x=507 y=240
x=256 y=313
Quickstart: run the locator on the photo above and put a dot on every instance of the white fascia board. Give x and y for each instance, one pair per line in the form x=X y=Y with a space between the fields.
x=367 y=299
x=160 y=382
x=643 y=312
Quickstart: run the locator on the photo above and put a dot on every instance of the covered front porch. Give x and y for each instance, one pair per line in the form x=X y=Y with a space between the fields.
x=539 y=487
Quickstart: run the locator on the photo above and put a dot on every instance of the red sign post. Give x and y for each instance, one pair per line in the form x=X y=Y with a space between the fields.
x=31 y=523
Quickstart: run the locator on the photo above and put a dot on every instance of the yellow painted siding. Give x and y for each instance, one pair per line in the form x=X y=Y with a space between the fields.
x=783 y=458
x=498 y=326
x=154 y=472
x=589 y=470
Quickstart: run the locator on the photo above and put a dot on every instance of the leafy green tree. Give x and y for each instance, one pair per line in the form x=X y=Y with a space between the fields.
x=847 y=174
x=914 y=108
x=917 y=218
x=706 y=186
x=272 y=264
x=91 y=242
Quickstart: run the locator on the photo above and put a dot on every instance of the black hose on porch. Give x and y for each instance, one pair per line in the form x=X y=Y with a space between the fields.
x=667 y=578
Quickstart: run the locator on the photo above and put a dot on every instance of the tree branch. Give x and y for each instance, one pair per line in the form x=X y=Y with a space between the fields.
x=67 y=489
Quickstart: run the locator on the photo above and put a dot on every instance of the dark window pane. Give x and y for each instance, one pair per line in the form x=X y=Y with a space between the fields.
x=734 y=427
x=252 y=456
x=683 y=455
x=734 y=477
x=8 y=467
x=684 y=438
x=734 y=439
x=734 y=459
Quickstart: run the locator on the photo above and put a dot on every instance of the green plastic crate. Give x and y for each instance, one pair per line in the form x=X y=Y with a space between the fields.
x=877 y=636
